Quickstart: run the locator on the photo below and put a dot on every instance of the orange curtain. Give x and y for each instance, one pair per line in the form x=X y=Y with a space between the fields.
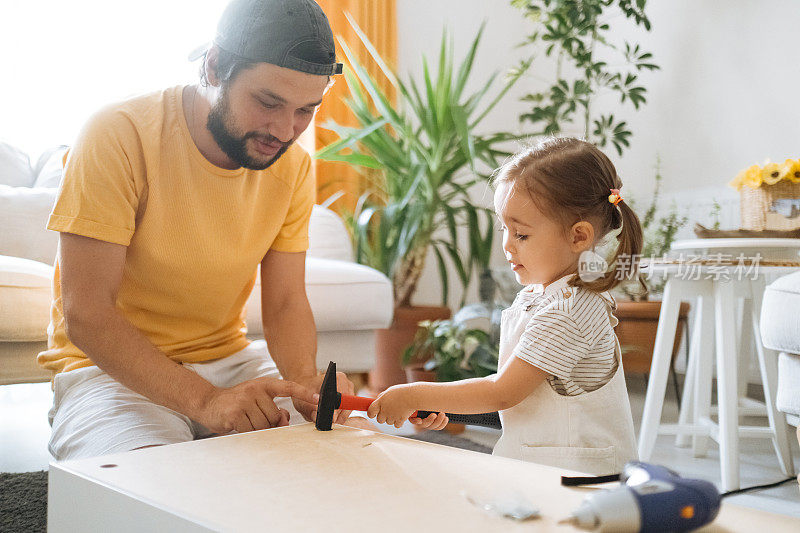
x=377 y=18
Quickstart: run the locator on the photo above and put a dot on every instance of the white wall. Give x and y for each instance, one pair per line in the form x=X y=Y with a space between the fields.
x=63 y=60
x=726 y=95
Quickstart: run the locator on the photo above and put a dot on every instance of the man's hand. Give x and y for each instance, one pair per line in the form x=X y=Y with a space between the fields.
x=250 y=406
x=314 y=383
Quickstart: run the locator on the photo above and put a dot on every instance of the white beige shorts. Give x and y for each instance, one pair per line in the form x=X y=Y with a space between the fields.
x=93 y=414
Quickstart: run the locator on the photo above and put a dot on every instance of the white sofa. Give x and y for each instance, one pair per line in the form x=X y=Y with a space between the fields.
x=349 y=301
x=780 y=331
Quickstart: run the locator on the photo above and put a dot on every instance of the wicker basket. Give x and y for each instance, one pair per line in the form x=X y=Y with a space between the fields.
x=756 y=206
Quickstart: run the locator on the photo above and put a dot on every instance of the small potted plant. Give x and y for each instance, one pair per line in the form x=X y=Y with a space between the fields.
x=637 y=309
x=446 y=350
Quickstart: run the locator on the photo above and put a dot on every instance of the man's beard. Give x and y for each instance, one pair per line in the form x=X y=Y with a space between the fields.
x=235 y=147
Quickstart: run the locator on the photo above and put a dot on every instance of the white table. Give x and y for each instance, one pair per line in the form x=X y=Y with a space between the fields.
x=769 y=248
x=716 y=290
x=299 y=479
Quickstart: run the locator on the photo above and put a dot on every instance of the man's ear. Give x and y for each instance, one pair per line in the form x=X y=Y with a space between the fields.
x=331 y=81
x=210 y=65
x=581 y=236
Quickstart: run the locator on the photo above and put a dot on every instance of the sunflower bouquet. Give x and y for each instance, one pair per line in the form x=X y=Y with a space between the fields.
x=770 y=195
x=771 y=173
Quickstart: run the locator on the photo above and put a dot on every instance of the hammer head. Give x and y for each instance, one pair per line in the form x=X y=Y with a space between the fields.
x=329 y=399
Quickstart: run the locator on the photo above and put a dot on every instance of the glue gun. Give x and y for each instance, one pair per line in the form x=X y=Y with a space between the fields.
x=652 y=498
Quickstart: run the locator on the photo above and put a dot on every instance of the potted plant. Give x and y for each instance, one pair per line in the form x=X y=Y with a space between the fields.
x=424 y=150
x=450 y=351
x=446 y=350
x=637 y=310
x=659 y=231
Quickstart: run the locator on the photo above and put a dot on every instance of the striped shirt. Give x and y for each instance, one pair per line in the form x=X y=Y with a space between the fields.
x=570 y=336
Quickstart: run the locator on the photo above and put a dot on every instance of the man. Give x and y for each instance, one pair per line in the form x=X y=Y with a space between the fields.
x=169 y=203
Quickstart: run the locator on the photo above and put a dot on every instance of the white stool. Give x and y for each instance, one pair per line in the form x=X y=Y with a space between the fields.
x=716 y=289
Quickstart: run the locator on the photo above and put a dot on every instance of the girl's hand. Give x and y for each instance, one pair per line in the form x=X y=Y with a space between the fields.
x=393 y=406
x=435 y=421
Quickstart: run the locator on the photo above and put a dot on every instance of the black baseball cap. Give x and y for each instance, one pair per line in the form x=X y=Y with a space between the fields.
x=293 y=34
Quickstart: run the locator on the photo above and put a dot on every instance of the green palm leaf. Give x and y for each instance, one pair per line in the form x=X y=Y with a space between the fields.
x=420 y=147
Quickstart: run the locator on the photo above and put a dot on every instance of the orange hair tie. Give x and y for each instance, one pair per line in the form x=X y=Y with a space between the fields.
x=614 y=197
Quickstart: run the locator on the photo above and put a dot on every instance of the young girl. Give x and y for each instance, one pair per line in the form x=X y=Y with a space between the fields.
x=560 y=388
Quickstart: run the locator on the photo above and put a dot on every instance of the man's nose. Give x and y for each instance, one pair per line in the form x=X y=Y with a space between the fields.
x=282 y=128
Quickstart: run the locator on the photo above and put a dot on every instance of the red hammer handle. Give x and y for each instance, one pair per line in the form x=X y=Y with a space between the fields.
x=355 y=403
x=359 y=403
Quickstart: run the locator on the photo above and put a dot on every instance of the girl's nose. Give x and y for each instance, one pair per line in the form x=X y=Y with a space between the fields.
x=508 y=244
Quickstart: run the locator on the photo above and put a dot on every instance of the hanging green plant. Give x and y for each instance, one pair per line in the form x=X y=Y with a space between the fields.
x=573 y=32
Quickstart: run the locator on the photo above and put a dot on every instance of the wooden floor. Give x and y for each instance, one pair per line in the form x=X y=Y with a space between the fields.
x=24 y=433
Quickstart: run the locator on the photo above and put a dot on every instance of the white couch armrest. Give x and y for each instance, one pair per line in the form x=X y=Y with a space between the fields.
x=25 y=294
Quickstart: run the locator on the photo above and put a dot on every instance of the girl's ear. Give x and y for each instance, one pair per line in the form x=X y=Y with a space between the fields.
x=581 y=236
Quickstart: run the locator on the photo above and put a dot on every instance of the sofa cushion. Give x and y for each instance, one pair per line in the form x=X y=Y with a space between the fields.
x=24 y=299
x=15 y=167
x=327 y=235
x=24 y=212
x=781 y=330
x=344 y=296
x=23 y=217
x=49 y=168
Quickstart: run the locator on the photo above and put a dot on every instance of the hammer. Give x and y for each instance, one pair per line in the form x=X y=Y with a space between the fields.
x=330 y=400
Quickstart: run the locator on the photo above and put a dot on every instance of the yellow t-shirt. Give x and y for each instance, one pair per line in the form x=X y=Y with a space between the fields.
x=195 y=233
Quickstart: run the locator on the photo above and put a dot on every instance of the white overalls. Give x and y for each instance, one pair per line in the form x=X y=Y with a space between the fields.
x=591 y=432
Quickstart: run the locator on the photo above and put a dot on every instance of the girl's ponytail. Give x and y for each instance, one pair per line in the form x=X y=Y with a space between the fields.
x=624 y=264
